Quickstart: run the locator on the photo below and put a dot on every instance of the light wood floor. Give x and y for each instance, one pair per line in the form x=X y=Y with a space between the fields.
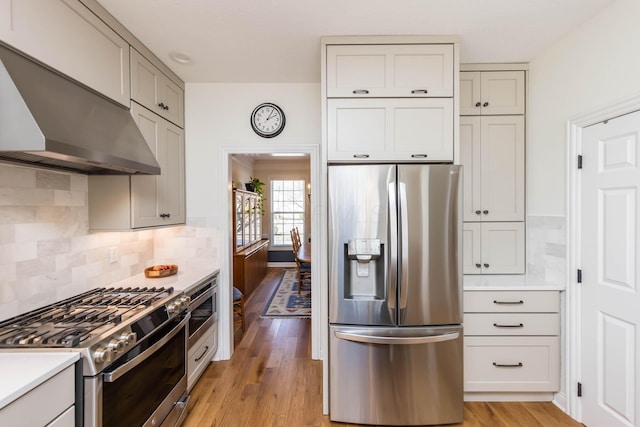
x=272 y=381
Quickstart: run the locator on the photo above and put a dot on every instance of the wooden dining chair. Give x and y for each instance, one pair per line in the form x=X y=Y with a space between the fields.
x=238 y=307
x=304 y=268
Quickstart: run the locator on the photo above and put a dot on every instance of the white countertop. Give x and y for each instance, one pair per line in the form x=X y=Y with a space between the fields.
x=21 y=371
x=181 y=281
x=508 y=282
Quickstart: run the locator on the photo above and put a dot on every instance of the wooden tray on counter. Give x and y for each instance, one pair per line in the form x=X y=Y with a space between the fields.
x=154 y=273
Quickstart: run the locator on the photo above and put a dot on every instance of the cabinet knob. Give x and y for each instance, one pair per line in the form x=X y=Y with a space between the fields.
x=419 y=91
x=478 y=212
x=161 y=105
x=478 y=265
x=486 y=104
x=361 y=92
x=485 y=212
x=478 y=104
x=486 y=265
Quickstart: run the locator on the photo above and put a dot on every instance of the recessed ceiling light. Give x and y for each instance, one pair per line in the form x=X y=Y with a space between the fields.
x=180 y=58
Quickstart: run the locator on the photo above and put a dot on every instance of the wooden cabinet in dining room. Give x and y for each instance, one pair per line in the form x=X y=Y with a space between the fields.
x=396 y=129
x=155 y=91
x=390 y=70
x=492 y=93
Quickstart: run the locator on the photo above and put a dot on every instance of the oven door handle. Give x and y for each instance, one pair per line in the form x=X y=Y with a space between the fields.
x=110 y=377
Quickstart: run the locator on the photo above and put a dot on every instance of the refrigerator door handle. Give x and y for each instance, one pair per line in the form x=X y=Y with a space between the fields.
x=403 y=245
x=392 y=266
x=376 y=339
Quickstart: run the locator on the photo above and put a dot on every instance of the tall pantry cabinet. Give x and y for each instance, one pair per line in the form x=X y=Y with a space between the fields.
x=492 y=150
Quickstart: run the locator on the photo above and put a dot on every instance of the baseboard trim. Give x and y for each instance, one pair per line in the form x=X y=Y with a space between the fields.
x=282 y=264
x=509 y=397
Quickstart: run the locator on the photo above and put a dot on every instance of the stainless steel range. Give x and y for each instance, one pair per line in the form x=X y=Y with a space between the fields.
x=133 y=343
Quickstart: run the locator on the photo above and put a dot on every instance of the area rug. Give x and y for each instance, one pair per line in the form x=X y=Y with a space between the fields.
x=285 y=301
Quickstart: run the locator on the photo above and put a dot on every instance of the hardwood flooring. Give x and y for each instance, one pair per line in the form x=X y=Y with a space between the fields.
x=272 y=381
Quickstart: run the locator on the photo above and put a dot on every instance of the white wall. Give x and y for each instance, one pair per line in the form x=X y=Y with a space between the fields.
x=594 y=66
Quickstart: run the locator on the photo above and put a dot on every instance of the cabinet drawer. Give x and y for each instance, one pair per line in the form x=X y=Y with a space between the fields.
x=66 y=419
x=511 y=324
x=51 y=398
x=200 y=355
x=511 y=301
x=511 y=364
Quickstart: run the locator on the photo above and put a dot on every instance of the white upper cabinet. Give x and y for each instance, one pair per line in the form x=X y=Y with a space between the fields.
x=68 y=37
x=384 y=129
x=412 y=70
x=155 y=91
x=492 y=152
x=492 y=93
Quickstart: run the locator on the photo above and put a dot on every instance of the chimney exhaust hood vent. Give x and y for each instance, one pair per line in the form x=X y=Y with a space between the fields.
x=49 y=120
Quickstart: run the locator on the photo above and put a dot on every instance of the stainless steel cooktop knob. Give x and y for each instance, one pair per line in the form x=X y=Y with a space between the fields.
x=186 y=299
x=102 y=355
x=116 y=344
x=129 y=337
x=172 y=308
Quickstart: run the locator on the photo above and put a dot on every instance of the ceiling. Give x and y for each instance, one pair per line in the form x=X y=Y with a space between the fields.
x=278 y=41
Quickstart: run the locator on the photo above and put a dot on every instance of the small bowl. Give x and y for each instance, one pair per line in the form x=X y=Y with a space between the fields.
x=154 y=273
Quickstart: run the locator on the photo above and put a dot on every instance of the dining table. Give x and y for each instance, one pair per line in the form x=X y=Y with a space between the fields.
x=304 y=252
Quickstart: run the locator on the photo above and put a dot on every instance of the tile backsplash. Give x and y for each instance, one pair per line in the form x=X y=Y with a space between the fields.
x=47 y=252
x=546 y=247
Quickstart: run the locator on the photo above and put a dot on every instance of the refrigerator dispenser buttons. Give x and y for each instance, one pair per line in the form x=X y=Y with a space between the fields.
x=365 y=270
x=363 y=251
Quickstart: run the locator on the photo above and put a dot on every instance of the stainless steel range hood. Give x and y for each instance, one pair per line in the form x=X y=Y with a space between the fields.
x=50 y=120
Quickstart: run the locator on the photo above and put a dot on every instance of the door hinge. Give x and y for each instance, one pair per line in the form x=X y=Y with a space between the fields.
x=579 y=276
x=579 y=161
x=579 y=389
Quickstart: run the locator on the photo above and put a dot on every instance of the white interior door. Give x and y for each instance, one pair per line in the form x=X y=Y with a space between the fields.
x=610 y=304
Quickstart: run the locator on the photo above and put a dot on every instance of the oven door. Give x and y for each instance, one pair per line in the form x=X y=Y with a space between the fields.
x=147 y=387
x=203 y=309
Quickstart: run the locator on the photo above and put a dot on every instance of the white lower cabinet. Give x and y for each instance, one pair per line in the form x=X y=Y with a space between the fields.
x=493 y=248
x=390 y=129
x=51 y=403
x=200 y=355
x=511 y=341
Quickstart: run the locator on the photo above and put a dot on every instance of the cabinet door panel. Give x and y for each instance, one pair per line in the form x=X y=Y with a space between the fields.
x=172 y=195
x=503 y=248
x=144 y=81
x=390 y=71
x=502 y=177
x=503 y=91
x=471 y=246
x=356 y=128
x=68 y=37
x=470 y=93
x=173 y=98
x=470 y=159
x=423 y=127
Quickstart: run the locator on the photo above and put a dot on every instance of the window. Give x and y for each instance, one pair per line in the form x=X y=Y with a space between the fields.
x=287 y=210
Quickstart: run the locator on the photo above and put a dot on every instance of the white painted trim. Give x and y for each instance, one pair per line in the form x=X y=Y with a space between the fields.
x=560 y=400
x=515 y=66
x=224 y=288
x=573 y=308
x=508 y=397
x=331 y=40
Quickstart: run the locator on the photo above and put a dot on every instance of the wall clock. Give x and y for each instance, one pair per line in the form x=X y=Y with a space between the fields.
x=267 y=120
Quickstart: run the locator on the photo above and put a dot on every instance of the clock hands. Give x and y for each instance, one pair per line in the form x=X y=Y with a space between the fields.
x=271 y=113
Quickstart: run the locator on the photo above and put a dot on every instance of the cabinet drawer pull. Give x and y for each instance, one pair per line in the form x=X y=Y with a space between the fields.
x=501 y=365
x=508 y=302
x=206 y=348
x=361 y=156
x=361 y=92
x=419 y=156
x=519 y=325
x=419 y=91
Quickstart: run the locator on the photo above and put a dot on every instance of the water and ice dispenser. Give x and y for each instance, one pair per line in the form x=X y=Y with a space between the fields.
x=364 y=265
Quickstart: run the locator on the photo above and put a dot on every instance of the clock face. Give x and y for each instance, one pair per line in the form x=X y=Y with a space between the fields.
x=267 y=120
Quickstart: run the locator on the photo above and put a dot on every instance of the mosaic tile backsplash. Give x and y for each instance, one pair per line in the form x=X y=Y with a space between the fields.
x=48 y=254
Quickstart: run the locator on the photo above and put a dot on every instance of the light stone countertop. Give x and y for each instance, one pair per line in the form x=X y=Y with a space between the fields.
x=508 y=282
x=23 y=371
x=185 y=279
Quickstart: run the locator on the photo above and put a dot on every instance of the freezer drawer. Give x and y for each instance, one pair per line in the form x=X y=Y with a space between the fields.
x=396 y=376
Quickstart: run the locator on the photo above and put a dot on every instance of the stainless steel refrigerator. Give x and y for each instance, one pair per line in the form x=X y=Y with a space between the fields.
x=395 y=294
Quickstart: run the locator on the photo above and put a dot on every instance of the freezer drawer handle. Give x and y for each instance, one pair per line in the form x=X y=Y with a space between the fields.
x=371 y=339
x=515 y=365
x=497 y=325
x=508 y=302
